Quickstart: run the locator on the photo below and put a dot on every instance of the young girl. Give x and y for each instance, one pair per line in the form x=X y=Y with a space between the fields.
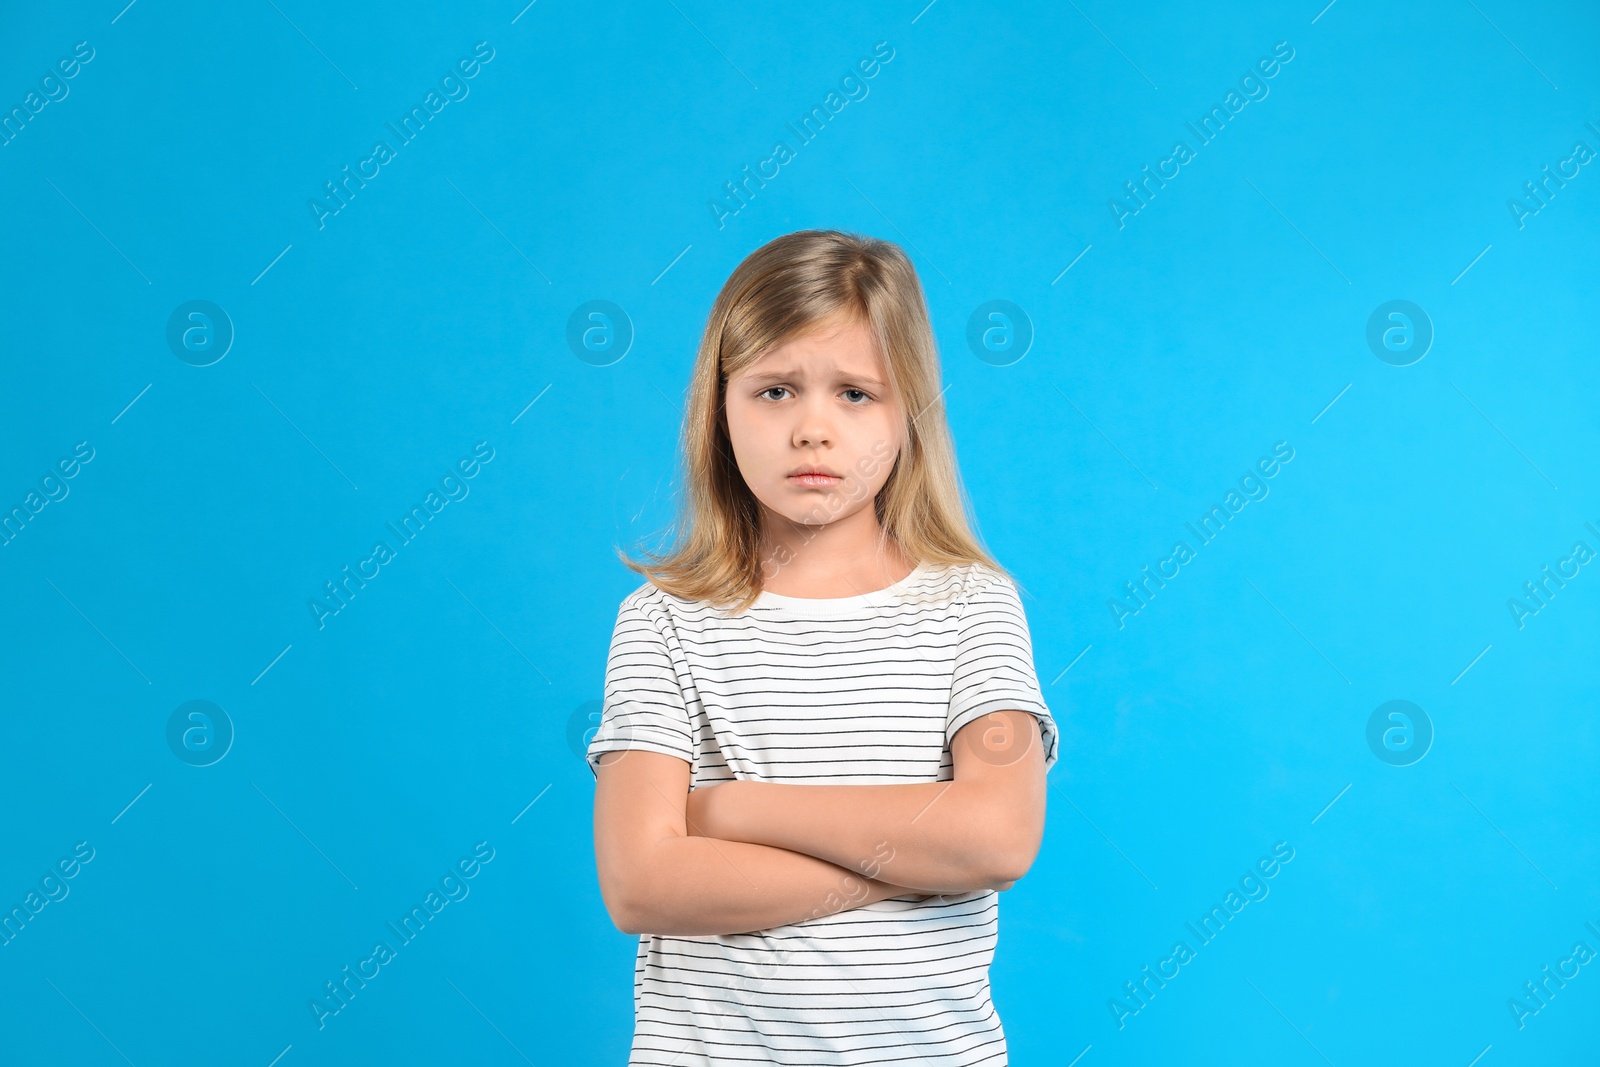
x=822 y=748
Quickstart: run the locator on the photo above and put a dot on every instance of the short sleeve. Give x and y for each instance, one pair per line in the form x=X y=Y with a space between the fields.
x=994 y=663
x=644 y=705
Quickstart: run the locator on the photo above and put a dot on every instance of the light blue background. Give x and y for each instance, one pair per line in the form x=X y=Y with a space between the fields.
x=434 y=709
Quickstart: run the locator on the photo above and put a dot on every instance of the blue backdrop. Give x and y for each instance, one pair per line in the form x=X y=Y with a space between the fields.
x=1269 y=337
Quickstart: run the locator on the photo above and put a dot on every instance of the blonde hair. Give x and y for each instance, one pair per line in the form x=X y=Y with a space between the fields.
x=785 y=289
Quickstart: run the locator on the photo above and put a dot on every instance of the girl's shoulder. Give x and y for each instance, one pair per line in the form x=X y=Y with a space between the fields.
x=978 y=575
x=663 y=608
x=650 y=599
x=972 y=580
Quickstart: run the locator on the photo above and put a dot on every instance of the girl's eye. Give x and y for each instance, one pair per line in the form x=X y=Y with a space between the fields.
x=764 y=394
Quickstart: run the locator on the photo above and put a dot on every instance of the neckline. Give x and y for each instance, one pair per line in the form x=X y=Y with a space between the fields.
x=835 y=604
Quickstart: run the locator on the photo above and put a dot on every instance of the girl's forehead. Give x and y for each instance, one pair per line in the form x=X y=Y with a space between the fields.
x=844 y=349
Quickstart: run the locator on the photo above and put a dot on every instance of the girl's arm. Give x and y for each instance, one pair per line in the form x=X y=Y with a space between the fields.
x=979 y=831
x=699 y=885
x=657 y=879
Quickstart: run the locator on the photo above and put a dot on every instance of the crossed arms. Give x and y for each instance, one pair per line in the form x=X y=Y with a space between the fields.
x=746 y=855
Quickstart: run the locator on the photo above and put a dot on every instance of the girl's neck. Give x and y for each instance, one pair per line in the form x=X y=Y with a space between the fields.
x=812 y=573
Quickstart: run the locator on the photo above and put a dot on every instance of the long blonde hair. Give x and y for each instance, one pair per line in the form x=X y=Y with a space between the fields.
x=782 y=290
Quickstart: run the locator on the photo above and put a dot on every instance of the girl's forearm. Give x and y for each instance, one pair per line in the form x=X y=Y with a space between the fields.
x=936 y=837
x=701 y=885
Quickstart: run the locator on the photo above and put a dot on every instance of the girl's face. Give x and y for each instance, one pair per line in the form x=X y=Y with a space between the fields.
x=822 y=403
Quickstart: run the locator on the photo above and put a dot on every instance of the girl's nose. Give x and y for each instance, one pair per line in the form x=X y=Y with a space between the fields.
x=813 y=428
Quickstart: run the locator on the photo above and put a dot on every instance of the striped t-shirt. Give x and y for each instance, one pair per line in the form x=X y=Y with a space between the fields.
x=859 y=690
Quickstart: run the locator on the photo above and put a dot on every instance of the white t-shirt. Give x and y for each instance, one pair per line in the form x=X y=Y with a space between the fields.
x=859 y=690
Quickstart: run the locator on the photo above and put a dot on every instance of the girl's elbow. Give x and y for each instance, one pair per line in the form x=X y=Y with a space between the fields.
x=640 y=888
x=619 y=907
x=999 y=870
x=629 y=923
x=1014 y=860
x=1015 y=833
x=1006 y=874
x=625 y=916
x=625 y=899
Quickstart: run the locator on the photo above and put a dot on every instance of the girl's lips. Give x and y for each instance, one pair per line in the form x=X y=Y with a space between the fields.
x=818 y=480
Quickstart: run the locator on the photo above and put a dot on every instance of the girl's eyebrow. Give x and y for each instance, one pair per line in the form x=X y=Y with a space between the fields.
x=788 y=375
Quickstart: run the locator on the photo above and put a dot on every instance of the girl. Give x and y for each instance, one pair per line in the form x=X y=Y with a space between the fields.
x=822 y=748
